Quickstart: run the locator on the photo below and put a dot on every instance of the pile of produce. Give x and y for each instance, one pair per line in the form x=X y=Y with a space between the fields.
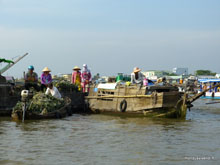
x=41 y=103
x=65 y=86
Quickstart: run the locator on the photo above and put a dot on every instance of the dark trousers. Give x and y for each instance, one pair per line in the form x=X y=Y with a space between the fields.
x=43 y=87
x=29 y=85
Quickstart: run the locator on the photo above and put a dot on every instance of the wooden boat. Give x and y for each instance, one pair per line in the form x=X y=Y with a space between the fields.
x=8 y=97
x=133 y=100
x=59 y=113
x=9 y=93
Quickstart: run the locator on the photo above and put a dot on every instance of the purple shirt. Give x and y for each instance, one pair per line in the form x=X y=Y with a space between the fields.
x=46 y=79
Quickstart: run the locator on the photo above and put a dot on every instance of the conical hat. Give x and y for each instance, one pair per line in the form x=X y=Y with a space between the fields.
x=136 y=69
x=46 y=69
x=76 y=68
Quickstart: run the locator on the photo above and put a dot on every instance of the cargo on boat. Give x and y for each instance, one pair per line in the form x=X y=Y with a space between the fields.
x=41 y=106
x=134 y=100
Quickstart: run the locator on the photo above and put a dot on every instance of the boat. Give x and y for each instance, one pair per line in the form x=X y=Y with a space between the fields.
x=59 y=113
x=212 y=93
x=135 y=100
x=8 y=97
x=9 y=92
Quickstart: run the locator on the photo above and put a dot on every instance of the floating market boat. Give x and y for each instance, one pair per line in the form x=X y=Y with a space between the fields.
x=9 y=93
x=212 y=93
x=32 y=112
x=133 y=100
x=8 y=97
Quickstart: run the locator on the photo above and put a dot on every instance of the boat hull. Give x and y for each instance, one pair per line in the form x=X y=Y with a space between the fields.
x=60 y=113
x=157 y=104
x=211 y=95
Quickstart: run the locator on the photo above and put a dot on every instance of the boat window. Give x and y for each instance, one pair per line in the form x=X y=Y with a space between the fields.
x=106 y=99
x=106 y=93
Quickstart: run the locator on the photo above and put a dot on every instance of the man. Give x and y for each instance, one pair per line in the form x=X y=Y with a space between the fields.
x=31 y=79
x=53 y=91
x=137 y=77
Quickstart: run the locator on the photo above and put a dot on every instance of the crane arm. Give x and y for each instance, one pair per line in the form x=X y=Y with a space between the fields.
x=10 y=63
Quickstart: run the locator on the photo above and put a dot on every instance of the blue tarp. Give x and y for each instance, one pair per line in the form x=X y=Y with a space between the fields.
x=208 y=80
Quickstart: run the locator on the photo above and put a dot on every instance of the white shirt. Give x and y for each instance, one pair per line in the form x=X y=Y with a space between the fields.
x=139 y=80
x=54 y=92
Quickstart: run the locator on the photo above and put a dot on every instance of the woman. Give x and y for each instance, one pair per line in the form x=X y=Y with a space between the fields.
x=46 y=78
x=86 y=78
x=76 y=77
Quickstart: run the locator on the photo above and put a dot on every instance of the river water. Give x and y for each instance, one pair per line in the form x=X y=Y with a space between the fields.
x=101 y=139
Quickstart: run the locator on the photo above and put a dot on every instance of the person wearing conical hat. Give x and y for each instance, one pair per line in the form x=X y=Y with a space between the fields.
x=76 y=77
x=46 y=78
x=136 y=76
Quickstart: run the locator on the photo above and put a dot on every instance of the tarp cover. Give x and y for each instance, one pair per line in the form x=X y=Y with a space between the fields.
x=107 y=86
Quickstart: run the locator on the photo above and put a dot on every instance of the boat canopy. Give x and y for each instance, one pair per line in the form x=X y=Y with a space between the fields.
x=208 y=80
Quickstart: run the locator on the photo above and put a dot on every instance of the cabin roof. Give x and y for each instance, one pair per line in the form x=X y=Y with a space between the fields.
x=208 y=80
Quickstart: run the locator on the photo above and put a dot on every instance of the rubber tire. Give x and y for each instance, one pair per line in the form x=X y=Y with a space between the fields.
x=123 y=105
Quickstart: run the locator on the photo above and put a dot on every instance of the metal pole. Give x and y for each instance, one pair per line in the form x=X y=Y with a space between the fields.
x=24 y=109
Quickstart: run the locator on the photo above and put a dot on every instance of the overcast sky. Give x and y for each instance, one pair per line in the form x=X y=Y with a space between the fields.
x=110 y=36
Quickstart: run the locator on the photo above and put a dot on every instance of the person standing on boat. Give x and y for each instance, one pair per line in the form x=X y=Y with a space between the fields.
x=46 y=78
x=31 y=79
x=53 y=91
x=137 y=77
x=86 y=78
x=76 y=77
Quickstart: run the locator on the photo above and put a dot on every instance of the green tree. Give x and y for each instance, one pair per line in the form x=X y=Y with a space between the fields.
x=204 y=72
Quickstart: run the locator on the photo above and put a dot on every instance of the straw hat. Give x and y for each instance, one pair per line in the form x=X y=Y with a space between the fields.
x=46 y=69
x=136 y=69
x=76 y=68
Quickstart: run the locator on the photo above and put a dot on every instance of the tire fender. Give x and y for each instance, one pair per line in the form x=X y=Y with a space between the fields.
x=123 y=105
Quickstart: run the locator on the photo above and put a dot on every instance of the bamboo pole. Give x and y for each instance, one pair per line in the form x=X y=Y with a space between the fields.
x=112 y=96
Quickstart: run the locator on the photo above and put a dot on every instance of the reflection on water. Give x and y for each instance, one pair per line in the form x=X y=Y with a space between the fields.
x=101 y=139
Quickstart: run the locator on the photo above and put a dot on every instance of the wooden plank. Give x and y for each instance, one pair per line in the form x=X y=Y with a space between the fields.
x=113 y=96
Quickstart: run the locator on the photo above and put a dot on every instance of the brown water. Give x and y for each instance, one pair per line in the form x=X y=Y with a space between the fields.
x=100 y=139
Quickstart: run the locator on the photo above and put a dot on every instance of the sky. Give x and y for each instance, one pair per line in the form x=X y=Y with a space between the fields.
x=110 y=36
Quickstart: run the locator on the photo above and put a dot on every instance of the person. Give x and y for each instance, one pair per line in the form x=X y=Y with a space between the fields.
x=46 y=78
x=137 y=77
x=204 y=86
x=86 y=78
x=162 y=81
x=53 y=91
x=31 y=79
x=76 y=77
x=119 y=77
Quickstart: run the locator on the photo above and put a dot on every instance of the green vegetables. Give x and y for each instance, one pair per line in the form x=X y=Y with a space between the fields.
x=65 y=86
x=41 y=103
